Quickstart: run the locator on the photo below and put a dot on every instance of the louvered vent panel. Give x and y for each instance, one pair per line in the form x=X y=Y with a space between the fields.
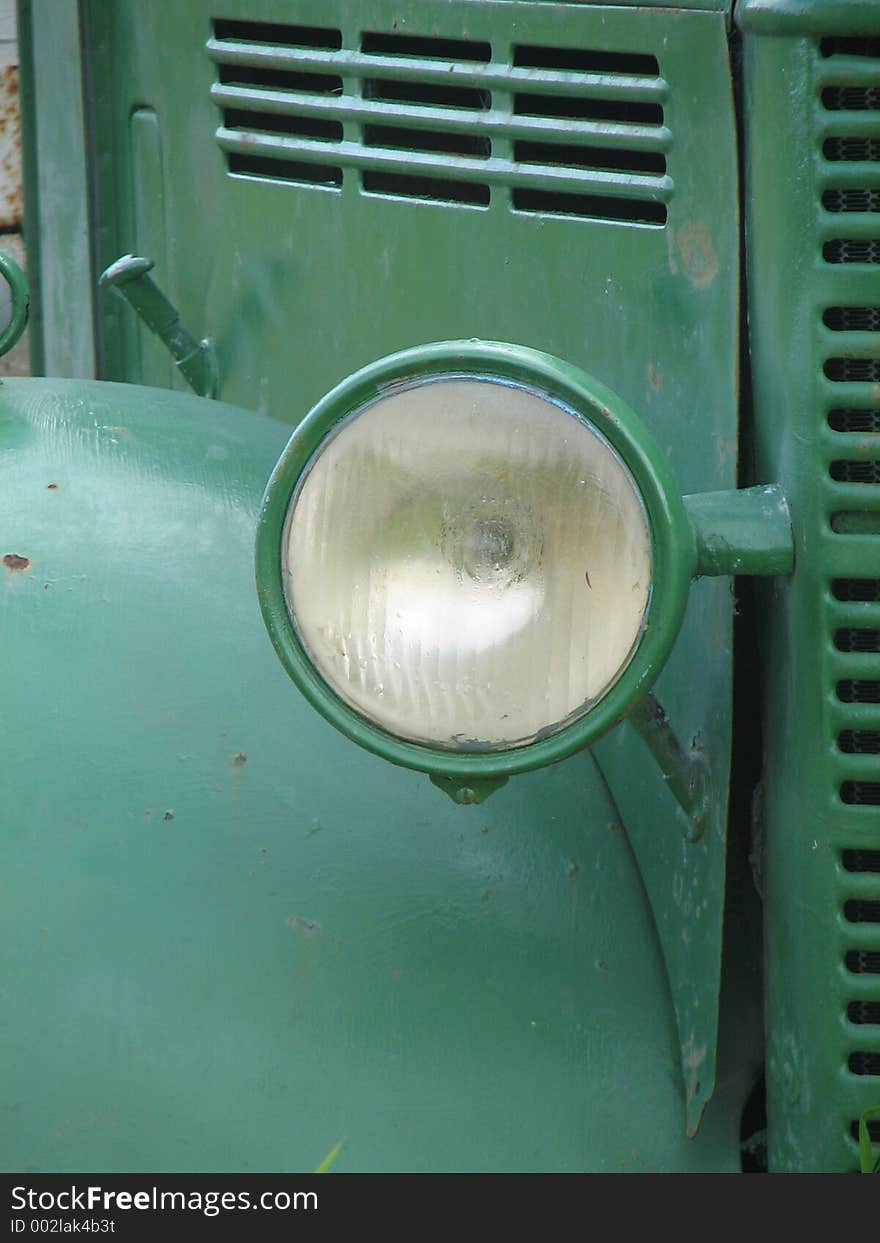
x=573 y=133
x=848 y=169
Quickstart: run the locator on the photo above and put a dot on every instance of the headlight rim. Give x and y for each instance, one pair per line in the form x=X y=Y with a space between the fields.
x=671 y=535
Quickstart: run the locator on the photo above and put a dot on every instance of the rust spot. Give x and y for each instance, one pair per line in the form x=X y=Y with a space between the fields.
x=697 y=253
x=52 y=487
x=13 y=561
x=655 y=379
x=573 y=870
x=239 y=758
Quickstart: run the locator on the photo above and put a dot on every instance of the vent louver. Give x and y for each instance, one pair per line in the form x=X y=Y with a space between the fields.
x=848 y=169
x=567 y=132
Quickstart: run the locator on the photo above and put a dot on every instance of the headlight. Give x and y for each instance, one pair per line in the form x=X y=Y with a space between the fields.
x=467 y=563
x=472 y=558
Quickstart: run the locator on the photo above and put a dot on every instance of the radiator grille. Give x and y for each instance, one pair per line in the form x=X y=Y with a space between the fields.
x=532 y=128
x=848 y=182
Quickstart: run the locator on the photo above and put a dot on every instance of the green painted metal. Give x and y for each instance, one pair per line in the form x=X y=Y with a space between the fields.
x=301 y=285
x=684 y=770
x=673 y=552
x=744 y=532
x=815 y=412
x=228 y=936
x=58 y=224
x=800 y=17
x=195 y=360
x=19 y=302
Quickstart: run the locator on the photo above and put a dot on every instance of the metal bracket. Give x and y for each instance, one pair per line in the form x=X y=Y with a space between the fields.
x=195 y=360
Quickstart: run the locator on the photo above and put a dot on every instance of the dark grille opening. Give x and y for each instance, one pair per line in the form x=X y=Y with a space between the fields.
x=861 y=793
x=280 y=36
x=473 y=145
x=873 y=1131
x=855 y=472
x=298 y=171
x=570 y=156
x=851 y=98
x=859 y=741
x=858 y=911
x=848 y=250
x=577 y=108
x=851 y=200
x=853 y=370
x=281 y=79
x=852 y=318
x=274 y=123
x=864 y=1063
x=852 y=419
x=850 y=45
x=864 y=1013
x=861 y=860
x=435 y=189
x=847 y=148
x=851 y=691
x=863 y=962
x=578 y=60
x=852 y=640
x=422 y=47
x=427 y=94
x=548 y=202
x=865 y=590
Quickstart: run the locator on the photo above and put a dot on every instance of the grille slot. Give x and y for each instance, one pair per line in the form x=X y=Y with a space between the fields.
x=864 y=1013
x=853 y=419
x=850 y=45
x=859 y=741
x=858 y=691
x=847 y=148
x=838 y=200
x=851 y=98
x=853 y=370
x=281 y=36
x=852 y=318
x=577 y=60
x=863 y=962
x=858 y=911
x=864 y=590
x=858 y=860
x=298 y=172
x=851 y=250
x=547 y=202
x=864 y=1063
x=855 y=472
x=417 y=47
x=552 y=153
x=861 y=793
x=852 y=639
x=571 y=132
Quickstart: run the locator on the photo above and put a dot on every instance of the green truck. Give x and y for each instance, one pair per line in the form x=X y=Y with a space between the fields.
x=520 y=812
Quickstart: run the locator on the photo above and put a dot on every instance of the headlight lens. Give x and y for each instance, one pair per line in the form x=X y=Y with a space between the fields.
x=467 y=563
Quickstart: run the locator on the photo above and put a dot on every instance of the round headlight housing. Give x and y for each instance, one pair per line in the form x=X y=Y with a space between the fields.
x=471 y=558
